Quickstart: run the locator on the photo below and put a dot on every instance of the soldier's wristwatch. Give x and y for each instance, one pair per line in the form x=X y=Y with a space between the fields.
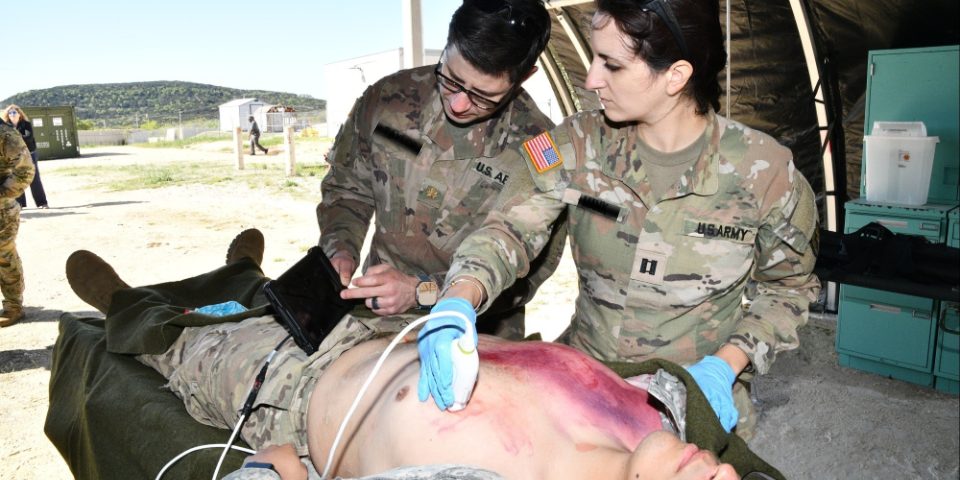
x=426 y=292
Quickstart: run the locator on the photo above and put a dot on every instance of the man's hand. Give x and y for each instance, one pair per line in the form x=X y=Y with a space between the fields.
x=344 y=264
x=715 y=378
x=436 y=364
x=284 y=459
x=395 y=291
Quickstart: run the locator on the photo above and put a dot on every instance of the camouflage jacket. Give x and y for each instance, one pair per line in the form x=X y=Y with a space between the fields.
x=16 y=165
x=663 y=277
x=426 y=203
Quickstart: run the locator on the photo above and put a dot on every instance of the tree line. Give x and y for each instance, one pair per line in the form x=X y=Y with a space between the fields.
x=164 y=102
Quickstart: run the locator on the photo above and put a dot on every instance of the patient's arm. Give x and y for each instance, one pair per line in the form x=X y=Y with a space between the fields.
x=284 y=459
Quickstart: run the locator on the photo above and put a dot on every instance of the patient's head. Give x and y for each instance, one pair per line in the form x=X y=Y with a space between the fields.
x=662 y=456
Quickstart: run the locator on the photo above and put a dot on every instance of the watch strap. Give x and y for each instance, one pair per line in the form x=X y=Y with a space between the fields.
x=265 y=465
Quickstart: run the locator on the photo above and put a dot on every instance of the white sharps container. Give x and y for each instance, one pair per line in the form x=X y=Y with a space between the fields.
x=899 y=158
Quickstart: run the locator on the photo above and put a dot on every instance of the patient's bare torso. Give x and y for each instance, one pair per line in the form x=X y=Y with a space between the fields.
x=539 y=411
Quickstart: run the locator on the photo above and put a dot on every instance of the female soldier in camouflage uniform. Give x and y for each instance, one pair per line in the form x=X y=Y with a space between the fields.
x=672 y=210
x=16 y=172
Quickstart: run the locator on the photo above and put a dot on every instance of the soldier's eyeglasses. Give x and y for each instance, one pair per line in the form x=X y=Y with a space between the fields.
x=492 y=7
x=455 y=87
x=663 y=10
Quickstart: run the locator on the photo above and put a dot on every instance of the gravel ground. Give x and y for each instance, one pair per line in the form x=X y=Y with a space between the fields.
x=817 y=420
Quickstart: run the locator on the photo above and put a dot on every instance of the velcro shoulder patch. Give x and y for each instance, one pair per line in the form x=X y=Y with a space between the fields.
x=543 y=152
x=716 y=230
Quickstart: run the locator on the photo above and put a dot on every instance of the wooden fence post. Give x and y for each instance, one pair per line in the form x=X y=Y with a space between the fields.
x=288 y=148
x=238 y=146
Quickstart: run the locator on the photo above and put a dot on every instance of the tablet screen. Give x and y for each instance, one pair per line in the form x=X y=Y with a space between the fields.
x=307 y=299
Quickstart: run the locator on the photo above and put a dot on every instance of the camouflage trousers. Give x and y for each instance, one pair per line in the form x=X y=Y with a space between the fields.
x=746 y=412
x=11 y=270
x=212 y=369
x=747 y=415
x=425 y=472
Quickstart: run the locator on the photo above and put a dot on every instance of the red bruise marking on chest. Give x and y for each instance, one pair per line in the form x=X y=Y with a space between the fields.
x=585 y=391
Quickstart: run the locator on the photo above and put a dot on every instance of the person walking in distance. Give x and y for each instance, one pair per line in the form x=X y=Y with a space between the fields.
x=255 y=137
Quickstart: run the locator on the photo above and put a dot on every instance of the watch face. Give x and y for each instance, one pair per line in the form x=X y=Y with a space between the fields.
x=427 y=293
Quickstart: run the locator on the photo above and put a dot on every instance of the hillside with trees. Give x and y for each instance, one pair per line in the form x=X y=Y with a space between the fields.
x=117 y=105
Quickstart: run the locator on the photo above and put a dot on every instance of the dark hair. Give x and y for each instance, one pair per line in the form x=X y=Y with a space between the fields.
x=654 y=43
x=250 y=118
x=494 y=46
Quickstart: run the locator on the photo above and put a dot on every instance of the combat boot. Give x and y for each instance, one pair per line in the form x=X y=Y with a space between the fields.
x=249 y=243
x=93 y=279
x=10 y=315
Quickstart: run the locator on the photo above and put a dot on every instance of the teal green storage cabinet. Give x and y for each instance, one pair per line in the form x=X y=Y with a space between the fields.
x=902 y=336
x=888 y=333
x=947 y=369
x=919 y=85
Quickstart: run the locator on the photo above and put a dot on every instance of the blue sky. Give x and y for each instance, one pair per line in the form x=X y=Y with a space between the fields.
x=280 y=46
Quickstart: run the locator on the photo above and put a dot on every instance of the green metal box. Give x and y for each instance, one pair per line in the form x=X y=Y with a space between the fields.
x=947 y=369
x=55 y=129
x=888 y=333
x=928 y=220
x=919 y=85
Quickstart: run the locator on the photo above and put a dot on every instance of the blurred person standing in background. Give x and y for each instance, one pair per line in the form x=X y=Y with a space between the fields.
x=255 y=137
x=16 y=172
x=19 y=120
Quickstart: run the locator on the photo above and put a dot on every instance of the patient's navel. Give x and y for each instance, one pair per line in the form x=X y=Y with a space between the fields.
x=403 y=392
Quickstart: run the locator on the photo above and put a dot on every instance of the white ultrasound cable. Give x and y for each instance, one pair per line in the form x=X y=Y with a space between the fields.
x=254 y=390
x=201 y=447
x=376 y=368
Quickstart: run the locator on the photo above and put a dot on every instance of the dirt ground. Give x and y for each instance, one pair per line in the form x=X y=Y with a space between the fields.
x=817 y=420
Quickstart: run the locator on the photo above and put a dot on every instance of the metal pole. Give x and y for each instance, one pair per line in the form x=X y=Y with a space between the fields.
x=412 y=34
x=288 y=148
x=728 y=61
x=238 y=146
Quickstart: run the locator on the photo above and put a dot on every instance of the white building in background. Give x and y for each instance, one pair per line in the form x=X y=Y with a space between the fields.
x=236 y=112
x=347 y=80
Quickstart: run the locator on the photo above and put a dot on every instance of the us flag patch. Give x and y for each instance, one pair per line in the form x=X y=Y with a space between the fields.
x=543 y=152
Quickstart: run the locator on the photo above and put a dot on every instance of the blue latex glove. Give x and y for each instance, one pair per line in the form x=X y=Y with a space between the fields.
x=715 y=378
x=222 y=309
x=436 y=365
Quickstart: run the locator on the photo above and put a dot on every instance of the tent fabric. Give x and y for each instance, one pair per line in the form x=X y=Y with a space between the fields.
x=845 y=31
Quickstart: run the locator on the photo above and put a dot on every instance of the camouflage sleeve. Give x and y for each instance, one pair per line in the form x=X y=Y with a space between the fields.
x=783 y=270
x=517 y=229
x=347 y=203
x=543 y=266
x=16 y=165
x=265 y=474
x=253 y=474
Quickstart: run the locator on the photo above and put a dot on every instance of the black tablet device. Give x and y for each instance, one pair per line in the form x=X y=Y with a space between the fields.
x=306 y=298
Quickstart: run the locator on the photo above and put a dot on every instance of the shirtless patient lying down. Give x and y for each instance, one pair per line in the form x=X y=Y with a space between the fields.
x=539 y=411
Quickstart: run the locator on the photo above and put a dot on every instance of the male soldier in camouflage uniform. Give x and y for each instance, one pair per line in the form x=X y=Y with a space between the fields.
x=420 y=150
x=16 y=173
x=662 y=275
